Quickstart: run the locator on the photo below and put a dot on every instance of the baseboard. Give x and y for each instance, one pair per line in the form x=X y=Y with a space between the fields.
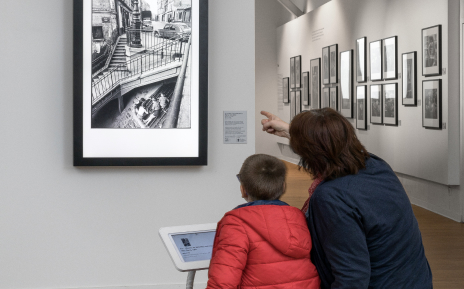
x=437 y=210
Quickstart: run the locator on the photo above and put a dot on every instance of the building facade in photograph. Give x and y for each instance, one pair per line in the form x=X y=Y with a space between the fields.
x=174 y=11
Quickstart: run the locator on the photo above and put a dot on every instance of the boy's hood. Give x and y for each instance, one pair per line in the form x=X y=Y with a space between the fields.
x=283 y=226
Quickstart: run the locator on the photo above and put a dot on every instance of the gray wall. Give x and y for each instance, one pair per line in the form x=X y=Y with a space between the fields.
x=67 y=227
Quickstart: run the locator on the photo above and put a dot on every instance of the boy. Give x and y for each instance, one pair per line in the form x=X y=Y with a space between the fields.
x=264 y=242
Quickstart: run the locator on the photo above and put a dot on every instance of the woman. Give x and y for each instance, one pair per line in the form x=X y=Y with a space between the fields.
x=363 y=229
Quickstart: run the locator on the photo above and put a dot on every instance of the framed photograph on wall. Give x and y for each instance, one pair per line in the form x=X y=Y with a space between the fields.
x=431 y=51
x=292 y=73
x=325 y=100
x=375 y=56
x=409 y=79
x=361 y=58
x=431 y=104
x=292 y=104
x=315 y=65
x=325 y=65
x=334 y=98
x=298 y=71
x=361 y=107
x=333 y=52
x=305 y=97
x=390 y=104
x=285 y=89
x=375 y=96
x=148 y=107
x=346 y=83
x=297 y=102
x=390 y=58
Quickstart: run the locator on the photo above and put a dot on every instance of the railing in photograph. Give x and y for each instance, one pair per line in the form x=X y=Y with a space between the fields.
x=162 y=53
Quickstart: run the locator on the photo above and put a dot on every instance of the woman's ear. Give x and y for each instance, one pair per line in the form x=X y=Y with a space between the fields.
x=244 y=194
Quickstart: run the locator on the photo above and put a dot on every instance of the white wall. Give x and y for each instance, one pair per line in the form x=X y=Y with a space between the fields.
x=67 y=227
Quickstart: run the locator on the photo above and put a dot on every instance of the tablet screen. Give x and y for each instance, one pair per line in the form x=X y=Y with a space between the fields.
x=194 y=246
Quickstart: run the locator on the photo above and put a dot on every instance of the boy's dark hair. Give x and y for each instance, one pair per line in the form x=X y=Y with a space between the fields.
x=263 y=177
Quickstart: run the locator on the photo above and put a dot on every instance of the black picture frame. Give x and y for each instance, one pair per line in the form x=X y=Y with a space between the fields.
x=346 y=84
x=361 y=60
x=375 y=60
x=390 y=104
x=292 y=73
x=334 y=98
x=409 y=78
x=325 y=98
x=298 y=71
x=285 y=90
x=292 y=104
x=306 y=99
x=376 y=103
x=325 y=65
x=85 y=137
x=431 y=51
x=297 y=102
x=432 y=96
x=361 y=107
x=333 y=53
x=315 y=74
x=390 y=58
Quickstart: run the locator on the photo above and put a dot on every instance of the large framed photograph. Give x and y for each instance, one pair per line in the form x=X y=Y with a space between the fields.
x=346 y=83
x=325 y=65
x=361 y=107
x=292 y=104
x=140 y=91
x=297 y=102
x=298 y=71
x=390 y=57
x=305 y=97
x=286 y=90
x=292 y=73
x=390 y=104
x=333 y=52
x=375 y=56
x=431 y=104
x=315 y=66
x=325 y=100
x=431 y=51
x=334 y=98
x=375 y=96
x=409 y=78
x=361 y=65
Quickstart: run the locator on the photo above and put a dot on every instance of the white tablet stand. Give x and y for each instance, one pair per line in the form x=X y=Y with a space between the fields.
x=190 y=247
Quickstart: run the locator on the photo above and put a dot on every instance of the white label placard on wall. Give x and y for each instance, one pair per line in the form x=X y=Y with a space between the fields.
x=235 y=127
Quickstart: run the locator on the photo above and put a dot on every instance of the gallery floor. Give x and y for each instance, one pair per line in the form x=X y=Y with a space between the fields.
x=443 y=238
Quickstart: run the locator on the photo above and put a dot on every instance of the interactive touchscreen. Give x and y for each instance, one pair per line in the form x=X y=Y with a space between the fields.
x=194 y=246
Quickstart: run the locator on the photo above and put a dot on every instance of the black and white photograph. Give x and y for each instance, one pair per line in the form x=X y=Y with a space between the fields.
x=361 y=107
x=292 y=104
x=292 y=73
x=186 y=242
x=390 y=104
x=390 y=58
x=361 y=66
x=297 y=102
x=334 y=98
x=375 y=96
x=431 y=104
x=431 y=51
x=298 y=71
x=375 y=56
x=325 y=65
x=409 y=79
x=333 y=52
x=346 y=83
x=285 y=90
x=139 y=70
x=306 y=97
x=315 y=65
x=325 y=100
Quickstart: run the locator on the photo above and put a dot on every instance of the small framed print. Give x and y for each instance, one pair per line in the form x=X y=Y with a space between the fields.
x=285 y=89
x=297 y=102
x=431 y=51
x=298 y=71
x=315 y=65
x=375 y=96
x=333 y=62
x=292 y=72
x=409 y=79
x=375 y=55
x=325 y=65
x=361 y=107
x=334 y=98
x=292 y=104
x=390 y=58
x=361 y=66
x=346 y=83
x=390 y=104
x=325 y=100
x=431 y=104
x=305 y=97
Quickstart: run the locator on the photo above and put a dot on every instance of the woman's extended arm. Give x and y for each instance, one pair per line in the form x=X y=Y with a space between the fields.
x=275 y=125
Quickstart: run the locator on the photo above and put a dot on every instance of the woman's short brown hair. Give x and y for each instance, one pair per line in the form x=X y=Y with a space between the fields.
x=327 y=144
x=263 y=177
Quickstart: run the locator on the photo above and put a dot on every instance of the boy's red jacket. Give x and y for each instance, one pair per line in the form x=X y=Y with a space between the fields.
x=262 y=244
